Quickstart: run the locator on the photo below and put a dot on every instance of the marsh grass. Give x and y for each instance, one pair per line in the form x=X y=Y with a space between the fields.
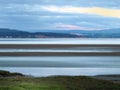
x=56 y=83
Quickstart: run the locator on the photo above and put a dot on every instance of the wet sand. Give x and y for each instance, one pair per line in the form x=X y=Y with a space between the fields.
x=59 y=53
x=58 y=46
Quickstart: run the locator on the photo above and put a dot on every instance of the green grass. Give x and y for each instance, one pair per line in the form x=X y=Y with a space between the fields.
x=21 y=83
x=31 y=86
x=56 y=83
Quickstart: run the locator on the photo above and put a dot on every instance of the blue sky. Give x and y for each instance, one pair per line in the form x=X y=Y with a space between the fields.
x=59 y=14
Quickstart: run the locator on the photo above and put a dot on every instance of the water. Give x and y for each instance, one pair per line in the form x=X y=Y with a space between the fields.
x=60 y=65
x=63 y=50
x=37 y=71
x=62 y=61
x=59 y=41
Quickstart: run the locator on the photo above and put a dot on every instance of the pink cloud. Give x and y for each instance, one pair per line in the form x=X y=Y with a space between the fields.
x=67 y=26
x=73 y=27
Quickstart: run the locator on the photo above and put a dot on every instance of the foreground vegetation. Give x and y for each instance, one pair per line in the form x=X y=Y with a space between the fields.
x=56 y=83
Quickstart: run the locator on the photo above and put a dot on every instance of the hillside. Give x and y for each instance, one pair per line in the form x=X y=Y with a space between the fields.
x=56 y=83
x=112 y=77
x=107 y=33
x=10 y=33
x=9 y=74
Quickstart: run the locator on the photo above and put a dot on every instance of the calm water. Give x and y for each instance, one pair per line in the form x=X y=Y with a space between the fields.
x=59 y=41
x=62 y=61
x=61 y=65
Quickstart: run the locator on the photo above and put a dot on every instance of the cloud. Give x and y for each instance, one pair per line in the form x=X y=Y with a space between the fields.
x=67 y=26
x=82 y=3
x=92 y=10
x=47 y=14
x=53 y=10
x=72 y=27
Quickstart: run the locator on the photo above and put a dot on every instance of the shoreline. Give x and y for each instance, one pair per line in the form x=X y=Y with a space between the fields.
x=115 y=78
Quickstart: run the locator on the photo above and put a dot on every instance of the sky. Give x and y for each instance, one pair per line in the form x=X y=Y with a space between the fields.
x=35 y=15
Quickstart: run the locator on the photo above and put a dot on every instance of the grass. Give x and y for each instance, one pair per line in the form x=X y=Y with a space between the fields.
x=22 y=83
x=56 y=83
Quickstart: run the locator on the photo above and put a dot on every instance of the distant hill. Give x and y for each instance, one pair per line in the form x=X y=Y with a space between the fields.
x=4 y=33
x=10 y=33
x=109 y=33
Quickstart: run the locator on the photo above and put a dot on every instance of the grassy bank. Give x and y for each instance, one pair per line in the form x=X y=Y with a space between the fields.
x=22 y=83
x=18 y=81
x=56 y=83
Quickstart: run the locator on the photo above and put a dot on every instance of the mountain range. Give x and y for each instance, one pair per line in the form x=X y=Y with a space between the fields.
x=11 y=33
x=108 y=33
